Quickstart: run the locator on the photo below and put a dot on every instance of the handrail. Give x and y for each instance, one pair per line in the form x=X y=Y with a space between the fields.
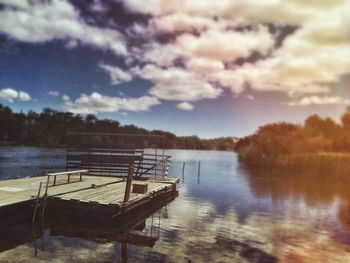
x=144 y=163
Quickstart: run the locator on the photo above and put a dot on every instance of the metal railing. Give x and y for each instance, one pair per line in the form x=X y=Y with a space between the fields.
x=116 y=162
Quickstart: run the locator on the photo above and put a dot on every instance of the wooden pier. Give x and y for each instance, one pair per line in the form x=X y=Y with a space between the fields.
x=99 y=178
x=96 y=190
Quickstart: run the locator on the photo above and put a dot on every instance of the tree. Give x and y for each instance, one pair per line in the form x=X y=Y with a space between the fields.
x=345 y=118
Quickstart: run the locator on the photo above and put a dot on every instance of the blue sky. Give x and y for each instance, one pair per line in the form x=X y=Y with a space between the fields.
x=195 y=67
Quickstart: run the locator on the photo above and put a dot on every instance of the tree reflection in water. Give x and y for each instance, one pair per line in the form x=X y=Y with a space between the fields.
x=315 y=186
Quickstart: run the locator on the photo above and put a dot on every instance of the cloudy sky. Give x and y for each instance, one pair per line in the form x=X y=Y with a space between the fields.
x=205 y=67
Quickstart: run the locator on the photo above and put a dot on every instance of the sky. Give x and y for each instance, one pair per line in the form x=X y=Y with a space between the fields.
x=191 y=67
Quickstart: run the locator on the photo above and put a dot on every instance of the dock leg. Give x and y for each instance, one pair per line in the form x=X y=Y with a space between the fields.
x=43 y=211
x=128 y=183
x=34 y=216
x=124 y=247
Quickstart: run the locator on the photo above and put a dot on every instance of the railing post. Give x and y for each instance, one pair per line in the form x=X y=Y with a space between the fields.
x=128 y=183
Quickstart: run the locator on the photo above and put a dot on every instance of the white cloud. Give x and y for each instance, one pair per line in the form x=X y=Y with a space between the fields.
x=316 y=100
x=161 y=55
x=204 y=57
x=204 y=65
x=183 y=22
x=117 y=74
x=15 y=3
x=249 y=96
x=24 y=96
x=43 y=21
x=185 y=106
x=95 y=103
x=204 y=38
x=226 y=46
x=10 y=94
x=177 y=84
x=310 y=60
x=161 y=7
x=300 y=66
x=65 y=98
x=269 y=11
x=152 y=7
x=54 y=93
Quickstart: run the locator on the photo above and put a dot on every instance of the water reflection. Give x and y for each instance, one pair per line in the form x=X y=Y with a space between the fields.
x=141 y=229
x=228 y=214
x=314 y=197
x=314 y=188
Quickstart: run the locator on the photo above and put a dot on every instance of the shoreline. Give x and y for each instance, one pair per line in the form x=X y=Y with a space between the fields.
x=305 y=161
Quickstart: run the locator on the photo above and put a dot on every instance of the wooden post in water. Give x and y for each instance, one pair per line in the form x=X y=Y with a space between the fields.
x=128 y=183
x=44 y=207
x=183 y=172
x=199 y=172
x=36 y=203
x=163 y=167
x=124 y=247
x=34 y=217
x=45 y=199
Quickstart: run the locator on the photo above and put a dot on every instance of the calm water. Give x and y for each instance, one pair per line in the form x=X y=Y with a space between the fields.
x=227 y=214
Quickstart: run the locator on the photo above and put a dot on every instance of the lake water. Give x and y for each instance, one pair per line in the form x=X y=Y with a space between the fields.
x=227 y=214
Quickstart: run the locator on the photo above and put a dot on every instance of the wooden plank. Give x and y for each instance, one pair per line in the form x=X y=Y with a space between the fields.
x=18 y=190
x=93 y=193
x=87 y=191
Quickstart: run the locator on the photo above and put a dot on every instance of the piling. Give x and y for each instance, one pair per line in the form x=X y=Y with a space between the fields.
x=199 y=172
x=34 y=216
x=183 y=172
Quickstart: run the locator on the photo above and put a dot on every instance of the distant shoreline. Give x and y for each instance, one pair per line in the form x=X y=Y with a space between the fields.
x=65 y=147
x=303 y=161
x=50 y=129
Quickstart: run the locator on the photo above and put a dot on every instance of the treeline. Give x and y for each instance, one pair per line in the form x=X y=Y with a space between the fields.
x=50 y=129
x=318 y=138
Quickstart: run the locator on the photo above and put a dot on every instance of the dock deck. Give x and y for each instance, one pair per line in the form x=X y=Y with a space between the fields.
x=89 y=189
x=99 y=173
